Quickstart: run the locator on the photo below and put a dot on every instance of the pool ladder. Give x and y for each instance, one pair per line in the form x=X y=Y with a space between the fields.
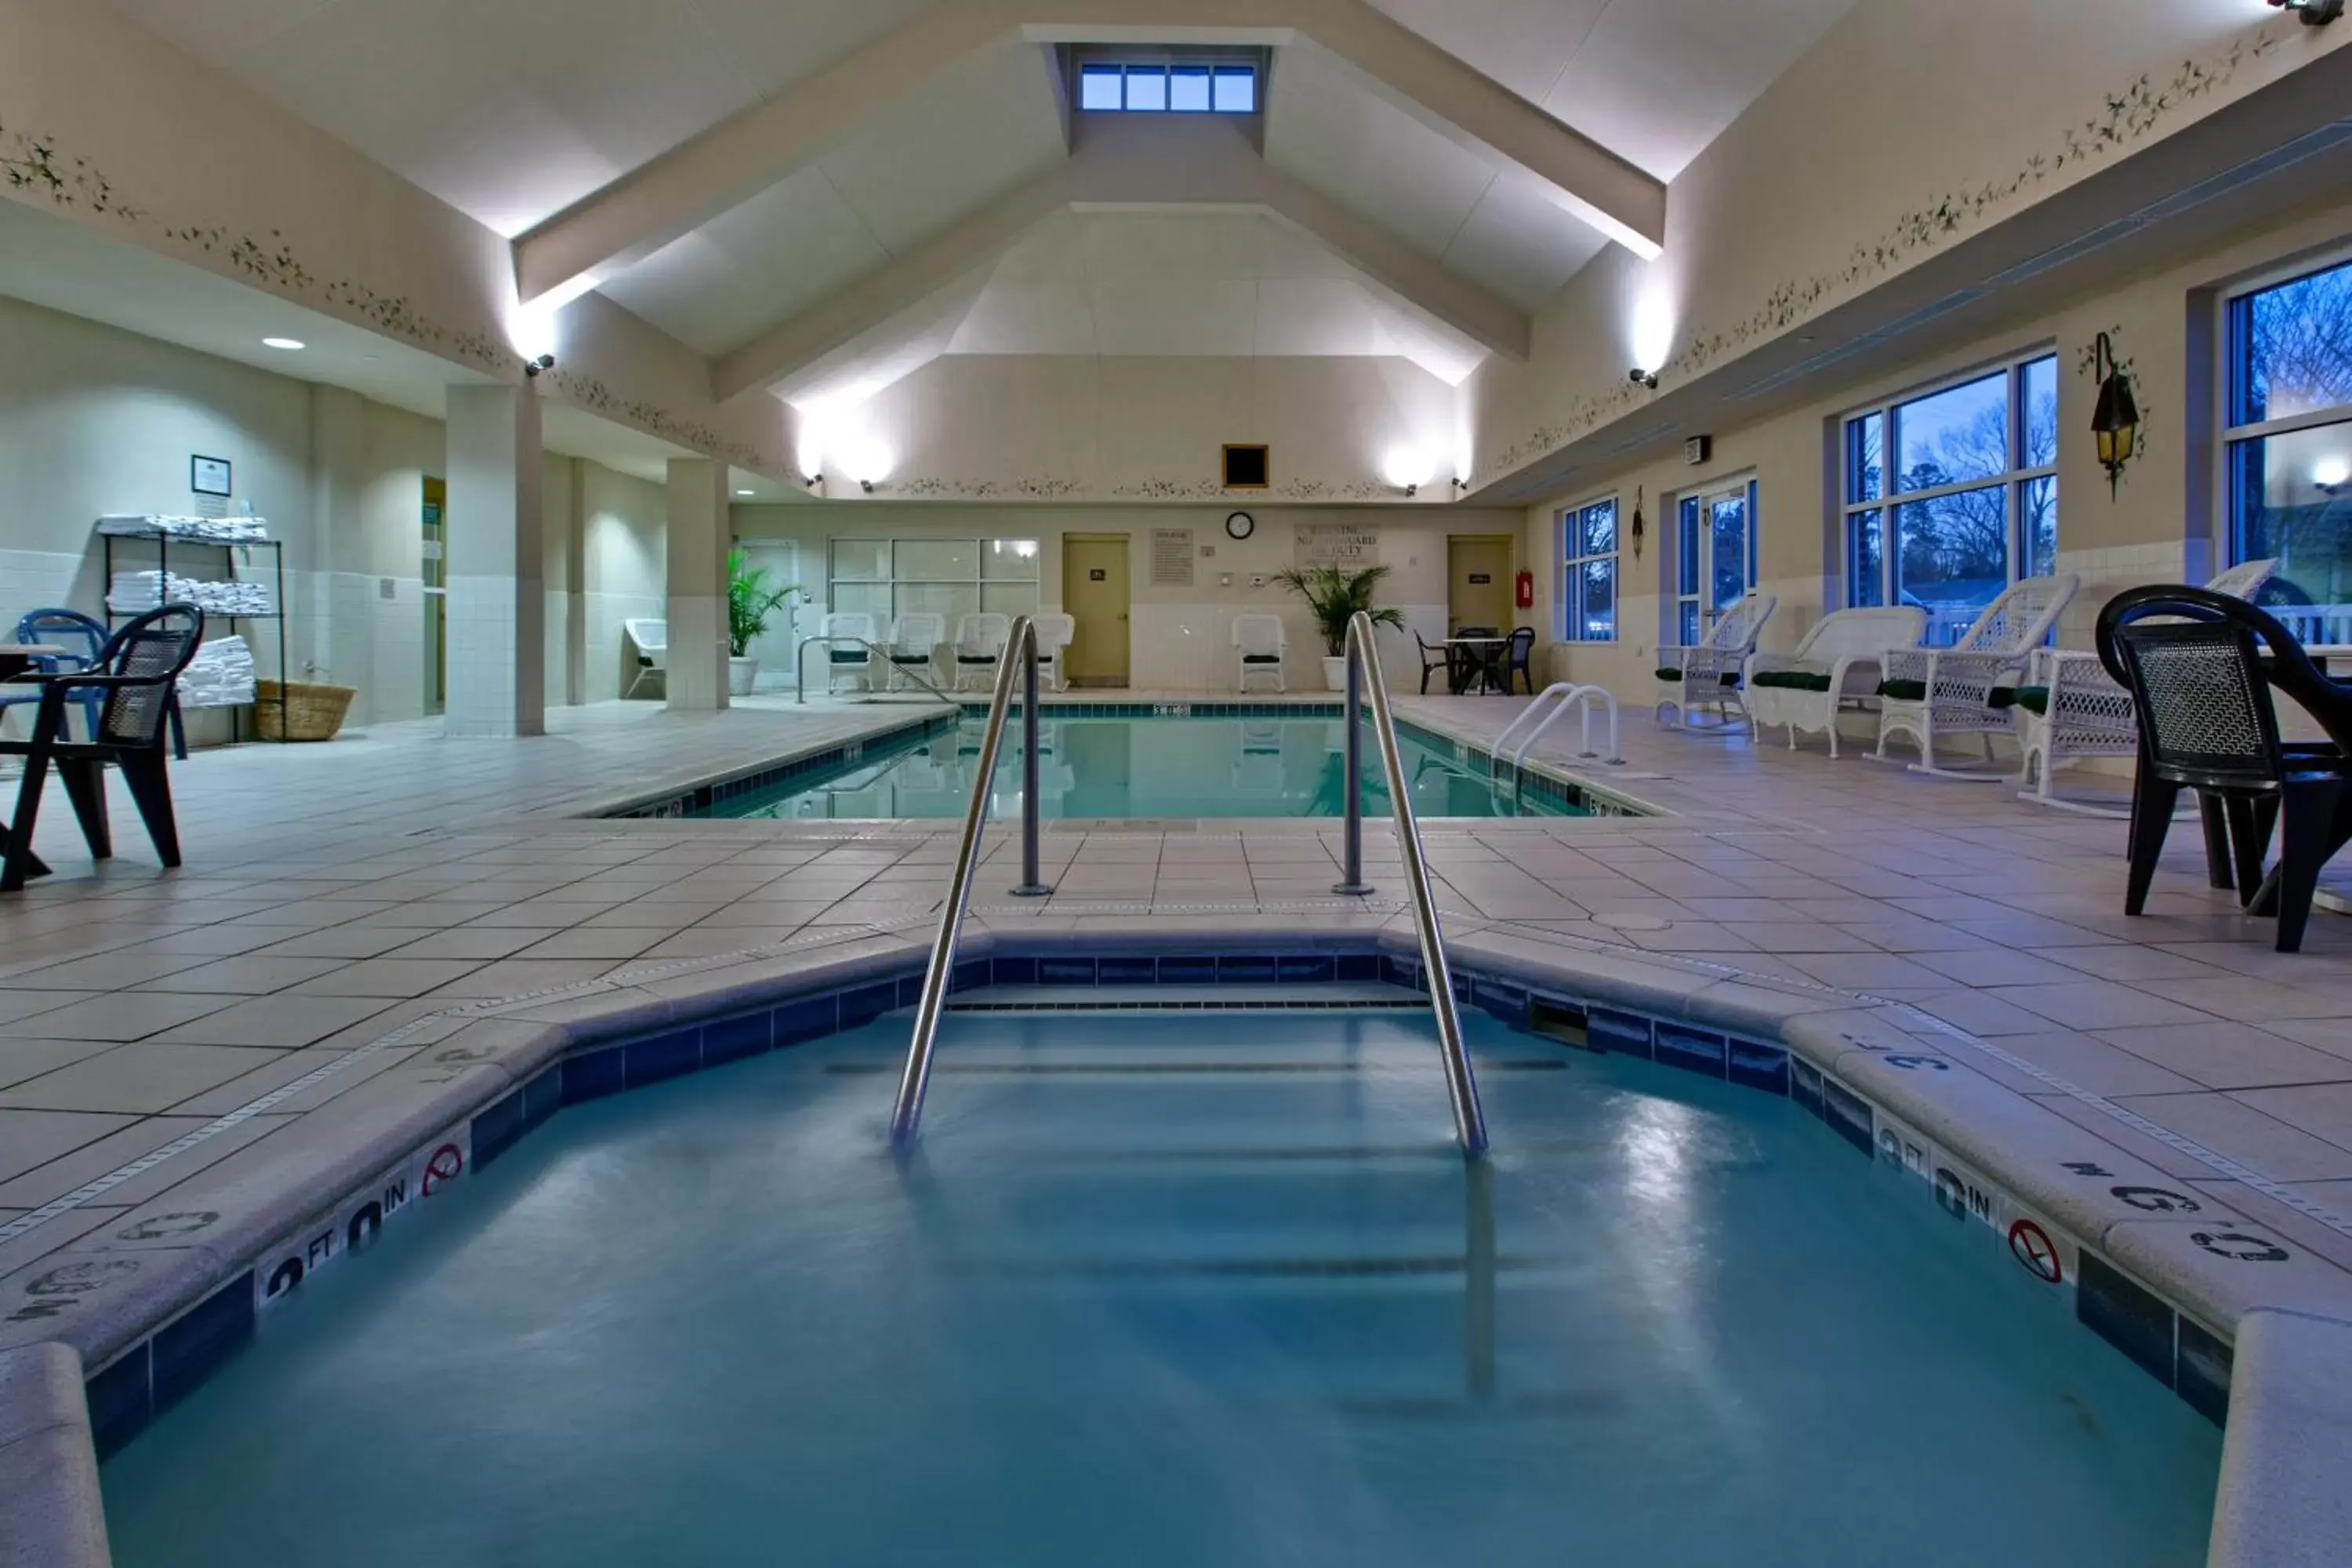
x=1364 y=679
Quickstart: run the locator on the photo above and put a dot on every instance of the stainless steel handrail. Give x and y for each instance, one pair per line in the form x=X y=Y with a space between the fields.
x=1365 y=679
x=800 y=665
x=1020 y=655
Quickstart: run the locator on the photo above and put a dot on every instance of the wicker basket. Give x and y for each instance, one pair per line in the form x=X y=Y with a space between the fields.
x=309 y=711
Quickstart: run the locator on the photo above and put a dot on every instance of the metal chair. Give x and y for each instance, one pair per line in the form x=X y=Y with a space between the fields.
x=2200 y=668
x=134 y=673
x=1259 y=642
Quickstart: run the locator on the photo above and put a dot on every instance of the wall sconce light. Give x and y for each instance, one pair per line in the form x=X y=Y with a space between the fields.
x=2315 y=13
x=2114 y=424
x=1640 y=526
x=1648 y=378
x=812 y=480
x=1460 y=483
x=1407 y=469
x=531 y=367
x=866 y=485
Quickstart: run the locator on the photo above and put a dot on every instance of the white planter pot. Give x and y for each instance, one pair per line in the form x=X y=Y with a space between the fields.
x=1335 y=675
x=740 y=674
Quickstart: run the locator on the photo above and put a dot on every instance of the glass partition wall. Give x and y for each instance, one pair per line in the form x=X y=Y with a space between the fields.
x=951 y=578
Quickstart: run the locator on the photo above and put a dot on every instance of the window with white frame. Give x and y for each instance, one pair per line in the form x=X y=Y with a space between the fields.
x=2289 y=445
x=886 y=578
x=1715 y=555
x=1149 y=82
x=1951 y=494
x=1587 y=573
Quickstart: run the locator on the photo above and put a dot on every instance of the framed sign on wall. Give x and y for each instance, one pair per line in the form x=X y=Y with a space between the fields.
x=208 y=475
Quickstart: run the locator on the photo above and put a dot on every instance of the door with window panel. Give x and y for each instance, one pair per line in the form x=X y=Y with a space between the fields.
x=1714 y=556
x=2289 y=446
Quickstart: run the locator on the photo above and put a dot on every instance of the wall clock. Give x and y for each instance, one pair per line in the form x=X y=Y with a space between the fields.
x=1240 y=525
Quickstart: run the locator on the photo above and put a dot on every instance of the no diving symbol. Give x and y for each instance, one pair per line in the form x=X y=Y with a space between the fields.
x=2035 y=1250
x=448 y=1161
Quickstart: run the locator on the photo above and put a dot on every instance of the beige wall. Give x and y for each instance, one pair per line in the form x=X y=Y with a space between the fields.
x=2158 y=526
x=1181 y=636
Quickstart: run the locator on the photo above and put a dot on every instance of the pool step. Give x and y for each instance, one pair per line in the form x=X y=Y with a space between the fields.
x=1350 y=998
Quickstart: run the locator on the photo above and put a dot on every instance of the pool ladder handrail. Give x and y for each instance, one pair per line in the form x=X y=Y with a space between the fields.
x=1020 y=656
x=1365 y=679
x=800 y=665
x=1580 y=697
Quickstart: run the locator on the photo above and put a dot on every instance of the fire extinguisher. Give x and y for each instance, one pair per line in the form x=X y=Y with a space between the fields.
x=1526 y=589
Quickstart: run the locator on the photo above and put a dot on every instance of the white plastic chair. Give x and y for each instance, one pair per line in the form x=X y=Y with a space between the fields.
x=1259 y=643
x=1931 y=693
x=1054 y=634
x=914 y=640
x=2068 y=709
x=1837 y=665
x=979 y=643
x=847 y=659
x=1709 y=672
x=649 y=645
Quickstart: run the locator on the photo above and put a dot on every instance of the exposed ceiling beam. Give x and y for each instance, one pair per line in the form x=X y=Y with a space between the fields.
x=740 y=156
x=1119 y=162
x=744 y=154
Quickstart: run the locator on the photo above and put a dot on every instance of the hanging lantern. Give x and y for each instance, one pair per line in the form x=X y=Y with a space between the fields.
x=2115 y=421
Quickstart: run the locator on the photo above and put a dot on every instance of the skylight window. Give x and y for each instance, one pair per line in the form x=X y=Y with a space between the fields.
x=1133 y=86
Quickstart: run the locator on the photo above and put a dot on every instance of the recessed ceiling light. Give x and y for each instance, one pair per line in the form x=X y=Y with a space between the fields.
x=288 y=345
x=742 y=492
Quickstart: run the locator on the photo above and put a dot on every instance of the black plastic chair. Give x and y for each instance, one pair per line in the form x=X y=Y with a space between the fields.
x=1434 y=659
x=2200 y=667
x=1518 y=666
x=136 y=672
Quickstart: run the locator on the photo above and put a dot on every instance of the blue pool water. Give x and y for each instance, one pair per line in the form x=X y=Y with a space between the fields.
x=1176 y=1290
x=1128 y=768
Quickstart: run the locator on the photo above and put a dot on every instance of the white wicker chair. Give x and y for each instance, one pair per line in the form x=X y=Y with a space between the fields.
x=1709 y=672
x=2069 y=709
x=1836 y=665
x=1259 y=645
x=979 y=642
x=914 y=640
x=1054 y=634
x=1931 y=694
x=847 y=658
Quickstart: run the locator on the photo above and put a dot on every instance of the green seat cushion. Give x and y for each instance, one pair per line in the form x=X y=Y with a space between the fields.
x=1793 y=679
x=2034 y=699
x=1904 y=691
x=1774 y=677
x=848 y=655
x=1261 y=659
x=1730 y=678
x=1666 y=674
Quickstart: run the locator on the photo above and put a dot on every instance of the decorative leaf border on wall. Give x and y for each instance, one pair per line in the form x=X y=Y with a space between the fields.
x=36 y=163
x=2124 y=120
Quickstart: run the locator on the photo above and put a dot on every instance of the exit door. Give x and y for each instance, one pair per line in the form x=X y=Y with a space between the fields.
x=1094 y=594
x=1479 y=575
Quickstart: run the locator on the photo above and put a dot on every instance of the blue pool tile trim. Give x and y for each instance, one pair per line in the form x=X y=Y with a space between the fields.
x=753 y=781
x=129 y=1392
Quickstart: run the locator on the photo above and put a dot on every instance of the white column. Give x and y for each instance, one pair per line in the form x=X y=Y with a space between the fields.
x=699 y=538
x=342 y=636
x=496 y=564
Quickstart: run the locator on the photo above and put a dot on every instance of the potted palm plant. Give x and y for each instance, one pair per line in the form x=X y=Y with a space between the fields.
x=751 y=601
x=1335 y=597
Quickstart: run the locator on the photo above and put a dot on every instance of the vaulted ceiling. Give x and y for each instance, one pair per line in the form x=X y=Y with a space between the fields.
x=937 y=219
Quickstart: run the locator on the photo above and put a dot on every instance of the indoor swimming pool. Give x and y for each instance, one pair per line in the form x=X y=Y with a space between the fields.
x=1132 y=767
x=1176 y=1289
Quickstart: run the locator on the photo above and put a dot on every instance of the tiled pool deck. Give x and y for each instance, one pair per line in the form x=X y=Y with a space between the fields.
x=433 y=919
